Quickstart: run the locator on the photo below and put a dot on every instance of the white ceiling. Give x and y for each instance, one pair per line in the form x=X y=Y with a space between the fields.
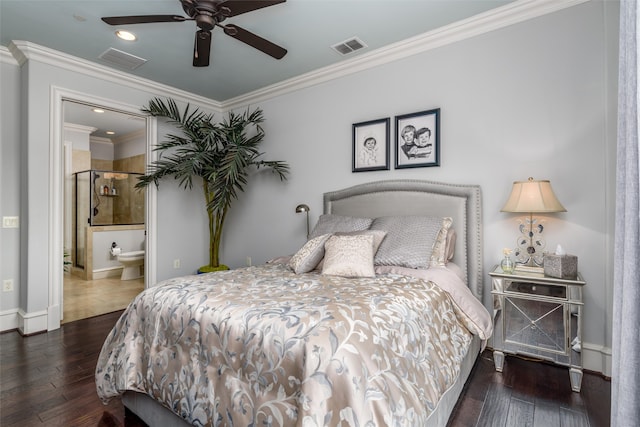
x=306 y=28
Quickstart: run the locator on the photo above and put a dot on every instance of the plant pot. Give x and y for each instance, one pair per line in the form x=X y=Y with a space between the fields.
x=208 y=269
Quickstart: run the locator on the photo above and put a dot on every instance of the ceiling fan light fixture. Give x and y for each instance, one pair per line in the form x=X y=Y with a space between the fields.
x=205 y=22
x=126 y=35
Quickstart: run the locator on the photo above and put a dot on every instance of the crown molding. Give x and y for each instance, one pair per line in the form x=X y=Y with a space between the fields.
x=509 y=14
x=99 y=140
x=6 y=57
x=23 y=51
x=79 y=128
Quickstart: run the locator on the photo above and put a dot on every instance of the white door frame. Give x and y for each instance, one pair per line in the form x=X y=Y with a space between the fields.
x=56 y=195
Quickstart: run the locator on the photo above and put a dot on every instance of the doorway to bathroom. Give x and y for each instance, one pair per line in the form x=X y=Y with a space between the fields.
x=104 y=215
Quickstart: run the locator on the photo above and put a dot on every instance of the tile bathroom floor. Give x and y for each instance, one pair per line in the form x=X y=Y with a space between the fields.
x=88 y=298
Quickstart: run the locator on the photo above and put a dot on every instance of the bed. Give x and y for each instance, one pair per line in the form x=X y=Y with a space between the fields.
x=318 y=338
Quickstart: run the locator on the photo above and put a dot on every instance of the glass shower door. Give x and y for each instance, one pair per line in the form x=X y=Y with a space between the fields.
x=82 y=208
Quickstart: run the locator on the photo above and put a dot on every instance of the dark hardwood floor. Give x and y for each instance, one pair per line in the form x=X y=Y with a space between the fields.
x=530 y=393
x=47 y=380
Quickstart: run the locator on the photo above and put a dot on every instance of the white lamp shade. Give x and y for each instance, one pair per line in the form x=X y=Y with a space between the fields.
x=532 y=196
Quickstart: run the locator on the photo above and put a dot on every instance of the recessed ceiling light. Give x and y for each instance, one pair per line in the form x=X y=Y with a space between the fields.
x=126 y=35
x=98 y=110
x=110 y=132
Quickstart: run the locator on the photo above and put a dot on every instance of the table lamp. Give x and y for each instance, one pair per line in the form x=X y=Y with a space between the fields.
x=531 y=196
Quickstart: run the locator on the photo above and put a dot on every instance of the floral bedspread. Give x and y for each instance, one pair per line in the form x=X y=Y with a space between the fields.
x=264 y=346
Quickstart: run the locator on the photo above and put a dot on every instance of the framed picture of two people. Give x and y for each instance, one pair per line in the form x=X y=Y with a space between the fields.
x=418 y=139
x=417 y=142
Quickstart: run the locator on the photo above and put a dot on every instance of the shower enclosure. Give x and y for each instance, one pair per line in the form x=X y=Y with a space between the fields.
x=104 y=198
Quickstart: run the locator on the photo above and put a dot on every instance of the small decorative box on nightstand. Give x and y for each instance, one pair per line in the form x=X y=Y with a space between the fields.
x=538 y=316
x=561 y=266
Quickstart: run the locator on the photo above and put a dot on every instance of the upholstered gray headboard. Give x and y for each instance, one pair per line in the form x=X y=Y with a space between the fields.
x=463 y=203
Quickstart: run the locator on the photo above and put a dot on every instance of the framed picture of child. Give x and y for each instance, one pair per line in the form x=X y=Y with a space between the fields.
x=418 y=139
x=371 y=145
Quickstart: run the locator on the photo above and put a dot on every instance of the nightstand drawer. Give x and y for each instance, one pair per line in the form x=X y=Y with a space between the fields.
x=529 y=288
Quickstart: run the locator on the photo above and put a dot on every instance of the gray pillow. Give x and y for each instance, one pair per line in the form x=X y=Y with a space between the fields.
x=409 y=240
x=329 y=223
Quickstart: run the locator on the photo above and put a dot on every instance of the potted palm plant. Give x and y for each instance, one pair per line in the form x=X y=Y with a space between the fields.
x=218 y=154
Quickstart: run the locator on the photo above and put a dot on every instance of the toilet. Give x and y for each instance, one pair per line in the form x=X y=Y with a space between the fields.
x=132 y=263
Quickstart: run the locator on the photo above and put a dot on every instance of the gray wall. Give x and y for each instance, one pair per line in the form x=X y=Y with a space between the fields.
x=9 y=178
x=533 y=99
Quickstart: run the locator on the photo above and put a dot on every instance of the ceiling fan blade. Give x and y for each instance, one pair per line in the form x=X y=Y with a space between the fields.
x=142 y=19
x=202 y=48
x=255 y=40
x=243 y=6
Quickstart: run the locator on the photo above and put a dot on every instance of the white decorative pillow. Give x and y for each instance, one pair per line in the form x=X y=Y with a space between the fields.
x=309 y=255
x=439 y=255
x=378 y=236
x=329 y=223
x=409 y=241
x=349 y=256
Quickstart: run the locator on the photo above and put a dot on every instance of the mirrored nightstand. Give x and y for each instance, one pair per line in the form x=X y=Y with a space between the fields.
x=538 y=316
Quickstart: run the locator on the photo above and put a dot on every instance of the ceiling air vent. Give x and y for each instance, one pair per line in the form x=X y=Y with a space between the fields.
x=348 y=46
x=122 y=59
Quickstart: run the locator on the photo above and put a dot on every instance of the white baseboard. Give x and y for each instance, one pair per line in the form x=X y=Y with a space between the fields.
x=32 y=323
x=9 y=320
x=105 y=273
x=596 y=358
x=26 y=323
x=54 y=317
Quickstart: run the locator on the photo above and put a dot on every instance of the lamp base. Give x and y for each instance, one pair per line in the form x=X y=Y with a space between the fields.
x=531 y=244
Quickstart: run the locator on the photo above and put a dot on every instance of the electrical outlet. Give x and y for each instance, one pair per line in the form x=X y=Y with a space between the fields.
x=176 y=263
x=248 y=261
x=7 y=285
x=10 y=222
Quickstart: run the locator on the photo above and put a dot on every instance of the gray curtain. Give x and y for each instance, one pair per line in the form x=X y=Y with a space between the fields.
x=625 y=381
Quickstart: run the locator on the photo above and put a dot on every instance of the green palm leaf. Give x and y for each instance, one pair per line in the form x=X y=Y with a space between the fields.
x=219 y=155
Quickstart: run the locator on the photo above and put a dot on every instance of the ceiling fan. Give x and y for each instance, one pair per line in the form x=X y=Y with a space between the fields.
x=208 y=14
